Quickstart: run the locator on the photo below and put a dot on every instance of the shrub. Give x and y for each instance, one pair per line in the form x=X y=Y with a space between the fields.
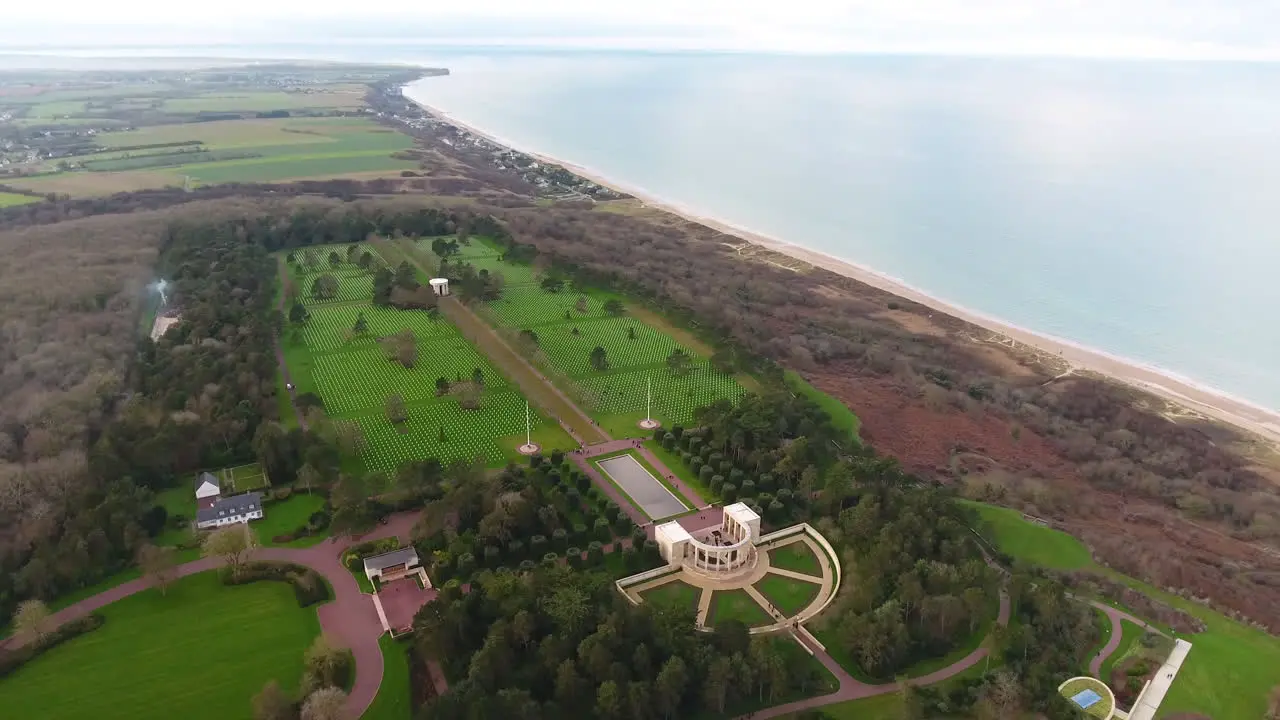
x=659 y=433
x=611 y=510
x=748 y=488
x=515 y=549
x=12 y=659
x=695 y=464
x=535 y=460
x=622 y=525
x=580 y=532
x=601 y=530
x=575 y=557
x=491 y=554
x=677 y=430
x=651 y=554
x=466 y=564
x=765 y=481
x=717 y=482
x=527 y=565
x=574 y=497
x=725 y=467
x=559 y=539
x=668 y=441
x=557 y=457
x=784 y=495
x=537 y=544
x=281 y=493
x=775 y=509
x=309 y=587
x=595 y=553
x=685 y=456
x=638 y=536
x=735 y=476
x=581 y=480
x=705 y=473
x=631 y=559
x=729 y=492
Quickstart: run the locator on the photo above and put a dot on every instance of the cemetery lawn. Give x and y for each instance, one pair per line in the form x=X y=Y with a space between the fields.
x=199 y=652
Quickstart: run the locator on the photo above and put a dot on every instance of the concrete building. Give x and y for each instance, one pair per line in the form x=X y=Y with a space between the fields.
x=719 y=551
x=440 y=286
x=392 y=565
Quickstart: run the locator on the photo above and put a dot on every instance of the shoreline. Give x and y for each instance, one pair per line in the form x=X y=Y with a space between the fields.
x=1167 y=385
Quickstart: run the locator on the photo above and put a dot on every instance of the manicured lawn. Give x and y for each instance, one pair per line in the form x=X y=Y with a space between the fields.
x=796 y=557
x=287 y=516
x=787 y=594
x=394 y=701
x=737 y=605
x=202 y=651
x=1231 y=667
x=674 y=594
x=673 y=461
x=1100 y=709
x=1030 y=541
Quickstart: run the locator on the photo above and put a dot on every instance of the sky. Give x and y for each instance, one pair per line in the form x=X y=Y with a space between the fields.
x=1191 y=29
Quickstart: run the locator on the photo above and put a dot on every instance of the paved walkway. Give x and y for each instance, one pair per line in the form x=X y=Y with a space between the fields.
x=1117 y=631
x=284 y=367
x=349 y=618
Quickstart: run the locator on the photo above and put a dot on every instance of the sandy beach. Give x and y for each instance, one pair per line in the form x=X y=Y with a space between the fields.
x=1185 y=393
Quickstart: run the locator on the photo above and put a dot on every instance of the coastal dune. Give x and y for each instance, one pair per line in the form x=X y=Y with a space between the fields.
x=1190 y=398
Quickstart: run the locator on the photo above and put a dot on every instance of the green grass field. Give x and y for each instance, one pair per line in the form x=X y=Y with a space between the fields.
x=1231 y=667
x=286 y=516
x=393 y=701
x=674 y=463
x=736 y=605
x=267 y=150
x=354 y=376
x=14 y=199
x=841 y=416
x=1035 y=543
x=673 y=594
x=796 y=557
x=787 y=594
x=202 y=651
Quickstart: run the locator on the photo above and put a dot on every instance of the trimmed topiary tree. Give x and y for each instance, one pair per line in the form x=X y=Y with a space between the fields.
x=748 y=488
x=515 y=549
x=575 y=557
x=668 y=441
x=550 y=559
x=491 y=555
x=466 y=564
x=677 y=430
x=538 y=545
x=717 y=482
x=557 y=457
x=602 y=531
x=527 y=565
x=765 y=481
x=595 y=553
x=559 y=539
x=729 y=492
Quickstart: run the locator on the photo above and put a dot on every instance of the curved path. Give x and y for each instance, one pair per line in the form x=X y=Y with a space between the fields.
x=349 y=618
x=853 y=689
x=1117 y=631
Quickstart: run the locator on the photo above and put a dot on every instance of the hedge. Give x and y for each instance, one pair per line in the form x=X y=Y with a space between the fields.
x=12 y=659
x=309 y=587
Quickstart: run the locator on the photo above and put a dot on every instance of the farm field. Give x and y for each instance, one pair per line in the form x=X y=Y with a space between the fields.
x=1231 y=667
x=571 y=323
x=12 y=199
x=209 y=153
x=201 y=651
x=353 y=374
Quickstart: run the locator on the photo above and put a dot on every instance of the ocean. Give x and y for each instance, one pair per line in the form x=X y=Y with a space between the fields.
x=1129 y=206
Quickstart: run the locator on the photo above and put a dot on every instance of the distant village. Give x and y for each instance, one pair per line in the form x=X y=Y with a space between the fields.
x=552 y=180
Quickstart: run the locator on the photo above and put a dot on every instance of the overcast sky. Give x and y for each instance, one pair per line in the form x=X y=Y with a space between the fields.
x=1222 y=29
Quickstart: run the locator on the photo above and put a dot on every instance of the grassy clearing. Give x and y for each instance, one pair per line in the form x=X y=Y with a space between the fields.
x=286 y=516
x=787 y=594
x=200 y=652
x=676 y=593
x=14 y=199
x=841 y=416
x=736 y=605
x=393 y=701
x=797 y=557
x=1231 y=667
x=1031 y=542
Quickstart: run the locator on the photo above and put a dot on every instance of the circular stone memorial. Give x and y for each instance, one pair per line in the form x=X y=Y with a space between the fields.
x=650 y=424
x=529 y=448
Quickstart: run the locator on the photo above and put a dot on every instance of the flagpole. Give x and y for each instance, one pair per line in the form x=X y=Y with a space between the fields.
x=528 y=433
x=648 y=398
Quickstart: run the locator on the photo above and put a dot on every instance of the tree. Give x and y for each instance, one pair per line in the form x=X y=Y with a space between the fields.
x=395 y=409
x=529 y=339
x=668 y=687
x=469 y=398
x=477 y=377
x=679 y=362
x=298 y=313
x=442 y=386
x=362 y=325
x=324 y=664
x=232 y=543
x=350 y=437
x=158 y=563
x=631 y=332
x=716 y=685
x=334 y=259
x=325 y=704
x=609 y=700
x=272 y=703
x=351 y=252
x=405 y=275
x=309 y=477
x=613 y=307
x=582 y=305
x=599 y=359
x=553 y=284
x=33 y=620
x=324 y=287
x=443 y=437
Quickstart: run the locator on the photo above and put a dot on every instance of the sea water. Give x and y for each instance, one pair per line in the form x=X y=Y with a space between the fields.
x=1133 y=207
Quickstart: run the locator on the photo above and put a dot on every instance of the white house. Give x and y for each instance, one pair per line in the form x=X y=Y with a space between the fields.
x=208 y=490
x=225 y=511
